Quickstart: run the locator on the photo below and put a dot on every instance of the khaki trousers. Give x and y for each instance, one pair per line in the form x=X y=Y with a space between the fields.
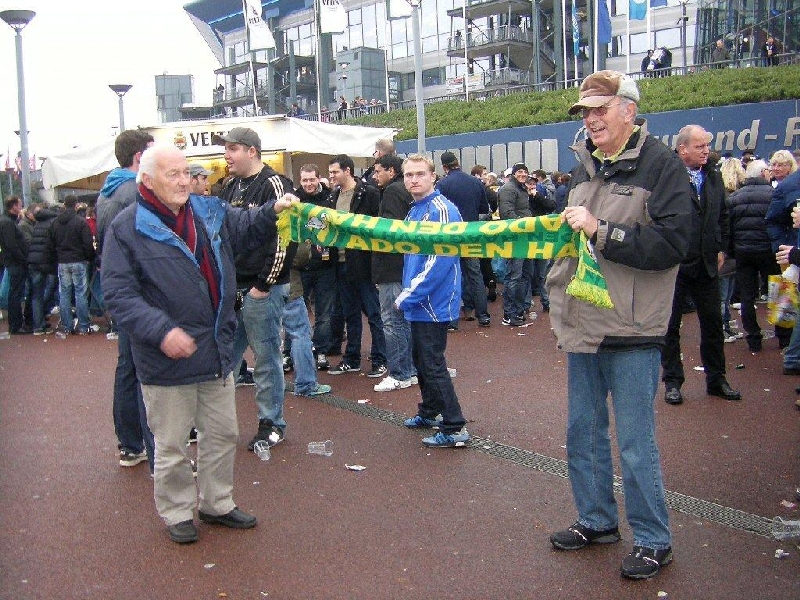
x=171 y=412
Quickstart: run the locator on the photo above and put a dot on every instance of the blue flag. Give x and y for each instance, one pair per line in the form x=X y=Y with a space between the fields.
x=637 y=10
x=576 y=31
x=657 y=3
x=604 y=22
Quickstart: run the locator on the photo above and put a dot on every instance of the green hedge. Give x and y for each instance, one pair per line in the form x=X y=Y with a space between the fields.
x=717 y=87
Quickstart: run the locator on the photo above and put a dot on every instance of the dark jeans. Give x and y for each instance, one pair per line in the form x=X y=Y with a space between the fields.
x=130 y=416
x=357 y=298
x=18 y=276
x=322 y=284
x=43 y=293
x=428 y=345
x=704 y=291
x=750 y=271
x=473 y=289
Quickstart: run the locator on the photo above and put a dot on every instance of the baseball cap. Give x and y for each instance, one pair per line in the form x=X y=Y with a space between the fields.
x=238 y=135
x=600 y=87
x=195 y=170
x=507 y=173
x=448 y=158
x=517 y=167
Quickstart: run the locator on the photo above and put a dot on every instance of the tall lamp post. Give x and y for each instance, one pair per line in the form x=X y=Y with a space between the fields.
x=17 y=20
x=684 y=18
x=120 y=89
x=418 y=76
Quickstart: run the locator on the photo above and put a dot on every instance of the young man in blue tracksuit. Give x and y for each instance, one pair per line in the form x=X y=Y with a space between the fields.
x=430 y=299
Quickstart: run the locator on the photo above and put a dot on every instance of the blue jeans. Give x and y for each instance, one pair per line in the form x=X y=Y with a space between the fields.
x=632 y=379
x=791 y=356
x=262 y=322
x=397 y=332
x=74 y=277
x=130 y=416
x=428 y=345
x=43 y=291
x=322 y=284
x=539 y=268
x=725 y=292
x=358 y=297
x=518 y=272
x=473 y=289
x=298 y=327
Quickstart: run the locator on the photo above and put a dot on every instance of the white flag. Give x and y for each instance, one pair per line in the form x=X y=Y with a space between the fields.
x=398 y=9
x=332 y=17
x=259 y=33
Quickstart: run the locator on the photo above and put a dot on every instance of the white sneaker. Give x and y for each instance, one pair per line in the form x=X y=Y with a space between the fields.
x=414 y=380
x=389 y=384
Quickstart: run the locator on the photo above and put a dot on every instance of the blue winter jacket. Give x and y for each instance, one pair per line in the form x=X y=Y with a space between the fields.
x=779 y=214
x=152 y=284
x=431 y=284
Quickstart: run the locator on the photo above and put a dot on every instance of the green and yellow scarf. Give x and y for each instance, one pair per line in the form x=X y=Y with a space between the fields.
x=531 y=237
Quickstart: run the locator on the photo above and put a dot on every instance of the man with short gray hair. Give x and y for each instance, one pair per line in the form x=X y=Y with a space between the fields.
x=630 y=198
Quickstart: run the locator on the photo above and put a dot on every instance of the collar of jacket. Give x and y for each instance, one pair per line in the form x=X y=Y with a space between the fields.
x=210 y=215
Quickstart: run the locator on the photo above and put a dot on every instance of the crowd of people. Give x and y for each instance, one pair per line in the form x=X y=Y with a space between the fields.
x=190 y=280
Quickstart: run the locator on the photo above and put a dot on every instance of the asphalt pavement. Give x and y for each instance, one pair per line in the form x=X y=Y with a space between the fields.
x=417 y=523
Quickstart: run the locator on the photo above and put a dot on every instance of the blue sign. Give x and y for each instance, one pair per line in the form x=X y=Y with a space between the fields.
x=764 y=127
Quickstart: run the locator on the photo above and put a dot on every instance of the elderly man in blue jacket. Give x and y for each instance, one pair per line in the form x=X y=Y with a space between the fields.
x=169 y=280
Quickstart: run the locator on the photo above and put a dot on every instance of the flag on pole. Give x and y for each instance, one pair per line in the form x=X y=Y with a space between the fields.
x=637 y=10
x=576 y=31
x=258 y=31
x=332 y=17
x=657 y=3
x=398 y=9
x=604 y=23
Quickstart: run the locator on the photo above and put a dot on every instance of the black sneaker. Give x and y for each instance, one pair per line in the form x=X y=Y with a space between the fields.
x=578 y=536
x=288 y=364
x=377 y=371
x=514 y=321
x=322 y=363
x=268 y=432
x=644 y=563
x=344 y=367
x=245 y=378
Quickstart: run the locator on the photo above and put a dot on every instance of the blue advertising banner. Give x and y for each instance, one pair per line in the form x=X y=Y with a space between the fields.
x=764 y=127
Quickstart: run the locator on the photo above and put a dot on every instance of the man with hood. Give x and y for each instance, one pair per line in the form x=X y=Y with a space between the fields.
x=119 y=191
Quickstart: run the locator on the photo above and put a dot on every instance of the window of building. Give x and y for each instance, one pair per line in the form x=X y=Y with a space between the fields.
x=668 y=38
x=435 y=76
x=639 y=43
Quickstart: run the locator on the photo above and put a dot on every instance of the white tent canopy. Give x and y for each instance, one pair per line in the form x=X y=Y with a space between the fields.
x=278 y=134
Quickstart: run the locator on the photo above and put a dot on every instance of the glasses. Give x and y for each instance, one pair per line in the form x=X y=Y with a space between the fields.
x=778 y=164
x=600 y=111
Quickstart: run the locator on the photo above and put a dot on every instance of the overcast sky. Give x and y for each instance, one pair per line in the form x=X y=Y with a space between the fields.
x=73 y=49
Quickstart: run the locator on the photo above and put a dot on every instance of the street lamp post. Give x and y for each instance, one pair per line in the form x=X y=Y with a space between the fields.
x=418 y=76
x=684 y=18
x=17 y=20
x=120 y=89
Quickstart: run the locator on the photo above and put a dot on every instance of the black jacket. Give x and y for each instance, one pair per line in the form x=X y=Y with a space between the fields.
x=70 y=240
x=13 y=246
x=366 y=200
x=270 y=264
x=322 y=257
x=387 y=267
x=748 y=207
x=710 y=227
x=38 y=258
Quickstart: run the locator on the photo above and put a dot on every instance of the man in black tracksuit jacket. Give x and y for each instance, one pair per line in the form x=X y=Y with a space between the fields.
x=262 y=278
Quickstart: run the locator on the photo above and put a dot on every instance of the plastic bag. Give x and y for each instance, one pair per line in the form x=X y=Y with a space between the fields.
x=782 y=301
